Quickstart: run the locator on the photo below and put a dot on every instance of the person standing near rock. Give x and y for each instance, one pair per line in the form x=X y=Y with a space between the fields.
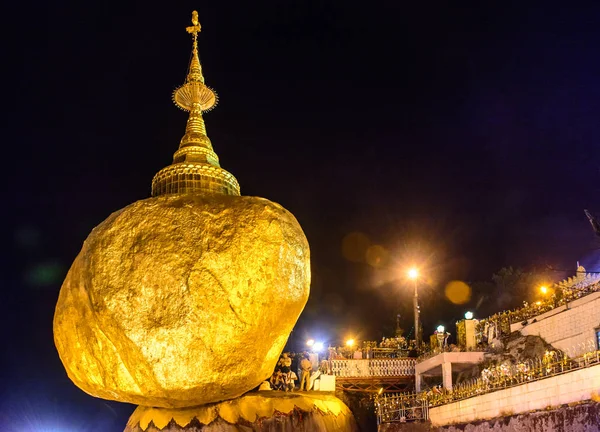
x=306 y=367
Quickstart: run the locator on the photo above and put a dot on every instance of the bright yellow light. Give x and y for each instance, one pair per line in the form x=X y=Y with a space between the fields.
x=310 y=342
x=380 y=390
x=350 y=342
x=413 y=273
x=538 y=303
x=544 y=290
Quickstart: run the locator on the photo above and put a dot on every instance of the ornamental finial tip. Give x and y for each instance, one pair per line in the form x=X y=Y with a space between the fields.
x=193 y=91
x=196 y=28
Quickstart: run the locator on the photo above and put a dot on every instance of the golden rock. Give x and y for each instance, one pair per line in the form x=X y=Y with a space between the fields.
x=188 y=297
x=181 y=300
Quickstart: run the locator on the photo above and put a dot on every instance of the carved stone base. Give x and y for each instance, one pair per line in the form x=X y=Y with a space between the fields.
x=253 y=412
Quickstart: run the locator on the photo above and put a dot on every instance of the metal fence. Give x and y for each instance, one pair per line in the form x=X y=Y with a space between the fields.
x=504 y=376
x=414 y=406
x=401 y=408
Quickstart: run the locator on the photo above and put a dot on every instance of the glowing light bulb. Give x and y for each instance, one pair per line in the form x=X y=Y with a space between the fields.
x=413 y=273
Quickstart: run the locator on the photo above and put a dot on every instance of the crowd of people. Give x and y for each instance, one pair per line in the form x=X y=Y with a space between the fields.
x=392 y=347
x=284 y=378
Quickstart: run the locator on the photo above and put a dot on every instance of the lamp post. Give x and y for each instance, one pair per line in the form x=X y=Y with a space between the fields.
x=413 y=274
x=441 y=334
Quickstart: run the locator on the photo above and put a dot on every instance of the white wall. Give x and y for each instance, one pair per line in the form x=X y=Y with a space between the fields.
x=569 y=328
x=570 y=387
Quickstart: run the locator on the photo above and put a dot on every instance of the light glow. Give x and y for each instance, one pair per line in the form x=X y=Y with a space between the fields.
x=413 y=273
x=310 y=342
x=469 y=315
x=441 y=329
x=318 y=346
x=544 y=290
x=350 y=342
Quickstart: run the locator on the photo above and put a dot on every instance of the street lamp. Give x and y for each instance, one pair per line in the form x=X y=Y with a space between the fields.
x=441 y=330
x=544 y=290
x=469 y=315
x=350 y=342
x=413 y=274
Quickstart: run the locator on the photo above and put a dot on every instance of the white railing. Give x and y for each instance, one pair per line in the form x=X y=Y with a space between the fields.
x=389 y=367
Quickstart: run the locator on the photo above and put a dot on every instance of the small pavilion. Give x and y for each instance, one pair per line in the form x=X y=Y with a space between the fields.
x=443 y=364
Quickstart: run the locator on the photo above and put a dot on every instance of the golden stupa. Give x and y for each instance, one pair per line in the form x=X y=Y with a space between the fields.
x=188 y=297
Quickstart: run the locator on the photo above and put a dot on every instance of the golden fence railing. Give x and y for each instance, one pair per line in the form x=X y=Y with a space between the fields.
x=414 y=406
x=504 y=376
x=501 y=321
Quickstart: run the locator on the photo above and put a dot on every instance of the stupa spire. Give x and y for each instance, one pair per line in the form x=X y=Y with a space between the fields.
x=195 y=167
x=195 y=70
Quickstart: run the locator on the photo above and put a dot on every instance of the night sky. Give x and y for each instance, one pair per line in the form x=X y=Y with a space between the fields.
x=457 y=139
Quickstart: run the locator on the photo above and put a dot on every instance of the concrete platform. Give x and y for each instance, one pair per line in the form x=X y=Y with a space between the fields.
x=443 y=364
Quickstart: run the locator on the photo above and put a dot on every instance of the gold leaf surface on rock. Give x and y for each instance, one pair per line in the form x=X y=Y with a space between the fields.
x=251 y=407
x=182 y=300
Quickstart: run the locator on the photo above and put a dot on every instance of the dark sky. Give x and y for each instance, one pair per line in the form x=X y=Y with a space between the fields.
x=460 y=139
